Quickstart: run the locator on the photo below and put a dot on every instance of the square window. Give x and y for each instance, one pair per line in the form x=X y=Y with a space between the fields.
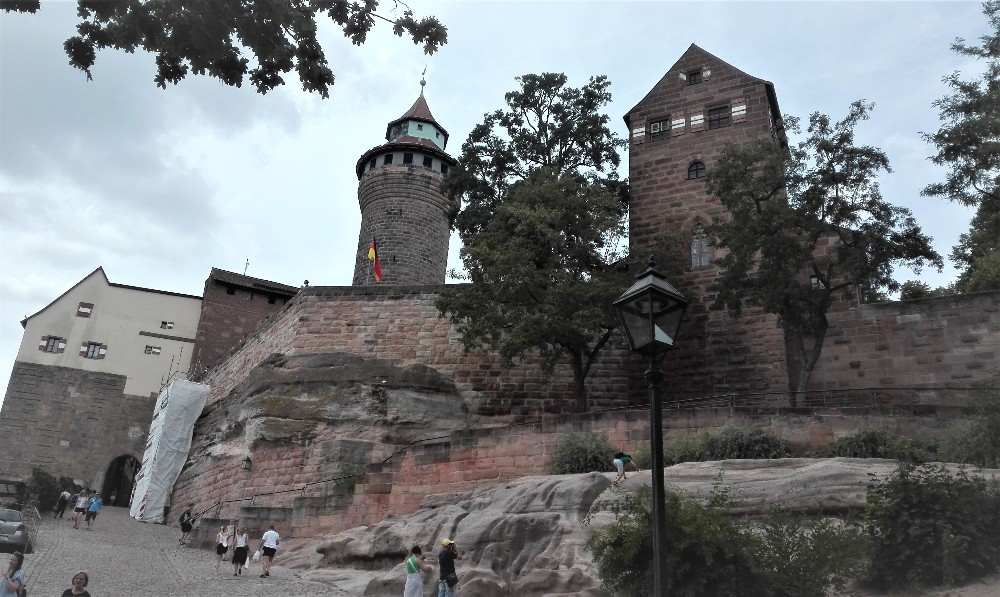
x=420 y=127
x=428 y=162
x=407 y=158
x=166 y=325
x=85 y=309
x=53 y=344
x=387 y=160
x=271 y=300
x=153 y=350
x=371 y=164
x=230 y=290
x=659 y=130
x=93 y=350
x=694 y=77
x=718 y=117
x=444 y=168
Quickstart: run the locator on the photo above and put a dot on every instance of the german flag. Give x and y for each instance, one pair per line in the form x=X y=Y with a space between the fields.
x=373 y=255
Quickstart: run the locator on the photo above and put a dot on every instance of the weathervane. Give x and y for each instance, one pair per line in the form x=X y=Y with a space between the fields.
x=423 y=81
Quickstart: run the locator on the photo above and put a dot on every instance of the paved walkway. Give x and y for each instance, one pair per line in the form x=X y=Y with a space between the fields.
x=127 y=558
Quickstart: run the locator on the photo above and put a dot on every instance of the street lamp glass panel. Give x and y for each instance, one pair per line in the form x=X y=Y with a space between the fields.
x=651 y=312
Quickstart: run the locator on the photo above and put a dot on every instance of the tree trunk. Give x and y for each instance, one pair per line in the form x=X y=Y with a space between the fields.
x=807 y=359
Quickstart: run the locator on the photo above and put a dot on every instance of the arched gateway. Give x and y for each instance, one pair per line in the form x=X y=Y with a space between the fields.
x=117 y=487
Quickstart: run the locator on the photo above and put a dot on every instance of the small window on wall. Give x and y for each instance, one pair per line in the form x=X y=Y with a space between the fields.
x=659 y=130
x=53 y=344
x=444 y=168
x=371 y=164
x=718 y=118
x=694 y=77
x=428 y=162
x=93 y=350
x=152 y=349
x=701 y=251
x=84 y=309
x=696 y=170
x=816 y=283
x=166 y=325
x=387 y=160
x=407 y=158
x=271 y=300
x=420 y=127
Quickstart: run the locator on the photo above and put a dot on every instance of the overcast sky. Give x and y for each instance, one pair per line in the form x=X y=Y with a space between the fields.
x=159 y=186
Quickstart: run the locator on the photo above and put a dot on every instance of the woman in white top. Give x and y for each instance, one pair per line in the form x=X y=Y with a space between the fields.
x=240 y=553
x=80 y=507
x=221 y=546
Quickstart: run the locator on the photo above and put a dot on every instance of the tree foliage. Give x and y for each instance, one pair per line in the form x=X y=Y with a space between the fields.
x=543 y=219
x=915 y=289
x=968 y=144
x=807 y=222
x=232 y=40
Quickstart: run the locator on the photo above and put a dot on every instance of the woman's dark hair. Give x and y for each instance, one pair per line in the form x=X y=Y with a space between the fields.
x=618 y=455
x=20 y=559
x=416 y=550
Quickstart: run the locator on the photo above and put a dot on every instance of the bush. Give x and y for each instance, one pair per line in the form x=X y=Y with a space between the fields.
x=45 y=488
x=710 y=554
x=581 y=453
x=731 y=443
x=874 y=443
x=976 y=441
x=931 y=527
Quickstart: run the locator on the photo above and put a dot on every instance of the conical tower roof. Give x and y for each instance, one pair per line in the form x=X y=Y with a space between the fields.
x=420 y=112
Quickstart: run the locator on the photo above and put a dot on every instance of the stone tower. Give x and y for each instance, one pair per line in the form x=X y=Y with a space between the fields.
x=402 y=206
x=676 y=131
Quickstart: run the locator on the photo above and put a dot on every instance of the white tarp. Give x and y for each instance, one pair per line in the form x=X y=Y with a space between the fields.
x=179 y=406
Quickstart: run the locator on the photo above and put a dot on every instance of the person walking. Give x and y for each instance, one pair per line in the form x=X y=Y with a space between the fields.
x=93 y=509
x=187 y=521
x=620 y=461
x=61 y=505
x=268 y=547
x=221 y=546
x=446 y=566
x=13 y=579
x=78 y=586
x=414 y=582
x=80 y=507
x=240 y=553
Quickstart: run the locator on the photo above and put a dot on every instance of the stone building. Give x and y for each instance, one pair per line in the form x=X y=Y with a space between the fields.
x=84 y=384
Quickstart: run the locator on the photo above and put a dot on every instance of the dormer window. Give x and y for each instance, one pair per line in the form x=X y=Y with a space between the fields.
x=694 y=77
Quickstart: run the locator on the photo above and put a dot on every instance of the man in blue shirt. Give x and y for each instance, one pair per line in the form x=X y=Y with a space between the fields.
x=93 y=508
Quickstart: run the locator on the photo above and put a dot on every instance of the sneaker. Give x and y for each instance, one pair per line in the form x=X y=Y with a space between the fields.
x=263 y=575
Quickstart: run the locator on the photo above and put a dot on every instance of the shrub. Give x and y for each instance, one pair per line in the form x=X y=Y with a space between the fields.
x=43 y=487
x=710 y=554
x=976 y=441
x=581 y=453
x=930 y=527
x=746 y=443
x=874 y=443
x=685 y=449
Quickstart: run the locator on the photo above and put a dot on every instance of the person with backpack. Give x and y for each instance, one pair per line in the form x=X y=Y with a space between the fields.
x=187 y=521
x=620 y=461
x=13 y=580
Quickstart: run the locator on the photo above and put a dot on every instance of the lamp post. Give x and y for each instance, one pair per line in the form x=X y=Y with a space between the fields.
x=651 y=311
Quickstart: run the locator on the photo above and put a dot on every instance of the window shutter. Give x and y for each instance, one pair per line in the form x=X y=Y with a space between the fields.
x=698 y=121
x=639 y=135
x=677 y=127
x=739 y=110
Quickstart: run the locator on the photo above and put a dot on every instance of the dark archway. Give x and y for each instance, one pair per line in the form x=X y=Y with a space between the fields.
x=118 y=481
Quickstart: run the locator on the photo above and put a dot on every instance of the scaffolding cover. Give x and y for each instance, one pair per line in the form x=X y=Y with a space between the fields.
x=179 y=406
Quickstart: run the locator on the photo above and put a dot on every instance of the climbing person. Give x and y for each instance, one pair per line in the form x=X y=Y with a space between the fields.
x=620 y=461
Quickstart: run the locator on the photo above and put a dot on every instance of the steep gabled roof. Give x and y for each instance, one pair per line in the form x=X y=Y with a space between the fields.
x=227 y=277
x=100 y=270
x=418 y=111
x=694 y=51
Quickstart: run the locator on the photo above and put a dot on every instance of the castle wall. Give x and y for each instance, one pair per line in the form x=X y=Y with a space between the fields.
x=69 y=422
x=929 y=345
x=402 y=324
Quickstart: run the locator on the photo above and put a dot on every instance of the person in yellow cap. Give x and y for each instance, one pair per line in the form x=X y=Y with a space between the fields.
x=446 y=561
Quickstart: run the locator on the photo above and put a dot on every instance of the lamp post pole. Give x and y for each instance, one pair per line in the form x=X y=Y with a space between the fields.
x=654 y=376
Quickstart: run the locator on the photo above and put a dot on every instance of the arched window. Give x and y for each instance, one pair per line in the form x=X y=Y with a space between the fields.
x=701 y=251
x=696 y=170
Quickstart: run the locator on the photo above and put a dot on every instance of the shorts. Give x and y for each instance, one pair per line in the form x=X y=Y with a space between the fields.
x=80 y=510
x=269 y=551
x=186 y=527
x=619 y=465
x=240 y=555
x=221 y=549
x=91 y=515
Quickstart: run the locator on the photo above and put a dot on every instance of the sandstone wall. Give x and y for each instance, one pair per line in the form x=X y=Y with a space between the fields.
x=931 y=349
x=70 y=422
x=401 y=324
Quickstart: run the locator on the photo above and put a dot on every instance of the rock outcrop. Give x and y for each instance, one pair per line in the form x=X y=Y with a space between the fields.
x=527 y=537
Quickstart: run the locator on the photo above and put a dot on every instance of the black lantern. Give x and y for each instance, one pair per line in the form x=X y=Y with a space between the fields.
x=245 y=465
x=651 y=312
